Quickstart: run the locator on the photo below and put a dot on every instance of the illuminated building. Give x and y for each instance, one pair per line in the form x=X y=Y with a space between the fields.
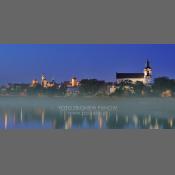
x=145 y=77
x=72 y=87
x=147 y=73
x=167 y=93
x=45 y=83
x=34 y=83
x=74 y=82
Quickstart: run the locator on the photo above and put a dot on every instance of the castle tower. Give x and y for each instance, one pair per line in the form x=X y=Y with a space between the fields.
x=43 y=79
x=74 y=82
x=148 y=73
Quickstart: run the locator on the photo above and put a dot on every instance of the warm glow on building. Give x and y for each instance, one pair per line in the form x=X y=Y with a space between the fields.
x=145 y=77
x=74 y=82
x=45 y=83
x=167 y=93
x=34 y=83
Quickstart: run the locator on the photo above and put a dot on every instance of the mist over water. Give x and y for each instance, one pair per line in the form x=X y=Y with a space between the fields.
x=87 y=113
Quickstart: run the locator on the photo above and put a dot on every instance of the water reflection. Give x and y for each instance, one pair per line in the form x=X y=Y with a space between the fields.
x=5 y=121
x=43 y=117
x=21 y=115
x=49 y=118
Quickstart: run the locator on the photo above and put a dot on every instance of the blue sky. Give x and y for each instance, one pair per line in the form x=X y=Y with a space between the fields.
x=24 y=62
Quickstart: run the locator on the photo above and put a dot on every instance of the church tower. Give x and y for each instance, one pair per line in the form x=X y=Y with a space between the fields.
x=148 y=73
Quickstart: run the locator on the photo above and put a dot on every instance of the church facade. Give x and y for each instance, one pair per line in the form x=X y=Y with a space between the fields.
x=145 y=77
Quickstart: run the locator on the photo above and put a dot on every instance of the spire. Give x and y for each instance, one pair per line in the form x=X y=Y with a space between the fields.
x=148 y=64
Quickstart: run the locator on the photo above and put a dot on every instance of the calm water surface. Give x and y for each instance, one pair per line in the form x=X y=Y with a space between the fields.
x=39 y=117
x=87 y=113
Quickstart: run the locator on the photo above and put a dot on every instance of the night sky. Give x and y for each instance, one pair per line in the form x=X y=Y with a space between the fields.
x=22 y=63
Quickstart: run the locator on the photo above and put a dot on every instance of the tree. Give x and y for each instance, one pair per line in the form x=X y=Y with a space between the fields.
x=62 y=90
x=162 y=84
x=35 y=90
x=125 y=88
x=139 y=88
x=91 y=86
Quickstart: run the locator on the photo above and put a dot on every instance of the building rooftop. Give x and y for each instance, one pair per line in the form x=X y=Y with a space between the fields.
x=129 y=75
x=148 y=65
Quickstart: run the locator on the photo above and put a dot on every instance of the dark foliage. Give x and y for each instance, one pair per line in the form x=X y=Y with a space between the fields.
x=91 y=86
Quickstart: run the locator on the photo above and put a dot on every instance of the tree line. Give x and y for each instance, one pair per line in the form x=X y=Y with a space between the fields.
x=162 y=86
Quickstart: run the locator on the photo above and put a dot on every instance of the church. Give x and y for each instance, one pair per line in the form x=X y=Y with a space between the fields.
x=145 y=77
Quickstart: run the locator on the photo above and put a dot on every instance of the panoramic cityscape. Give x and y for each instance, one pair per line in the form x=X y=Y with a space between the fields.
x=87 y=86
x=125 y=84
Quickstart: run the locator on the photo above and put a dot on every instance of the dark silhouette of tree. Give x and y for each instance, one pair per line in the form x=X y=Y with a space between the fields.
x=91 y=86
x=163 y=83
x=124 y=88
x=62 y=89
x=139 y=88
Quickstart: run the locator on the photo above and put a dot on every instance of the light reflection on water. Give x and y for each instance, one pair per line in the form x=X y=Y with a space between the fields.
x=49 y=118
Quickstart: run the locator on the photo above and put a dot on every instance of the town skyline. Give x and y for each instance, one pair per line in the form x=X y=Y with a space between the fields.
x=23 y=63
